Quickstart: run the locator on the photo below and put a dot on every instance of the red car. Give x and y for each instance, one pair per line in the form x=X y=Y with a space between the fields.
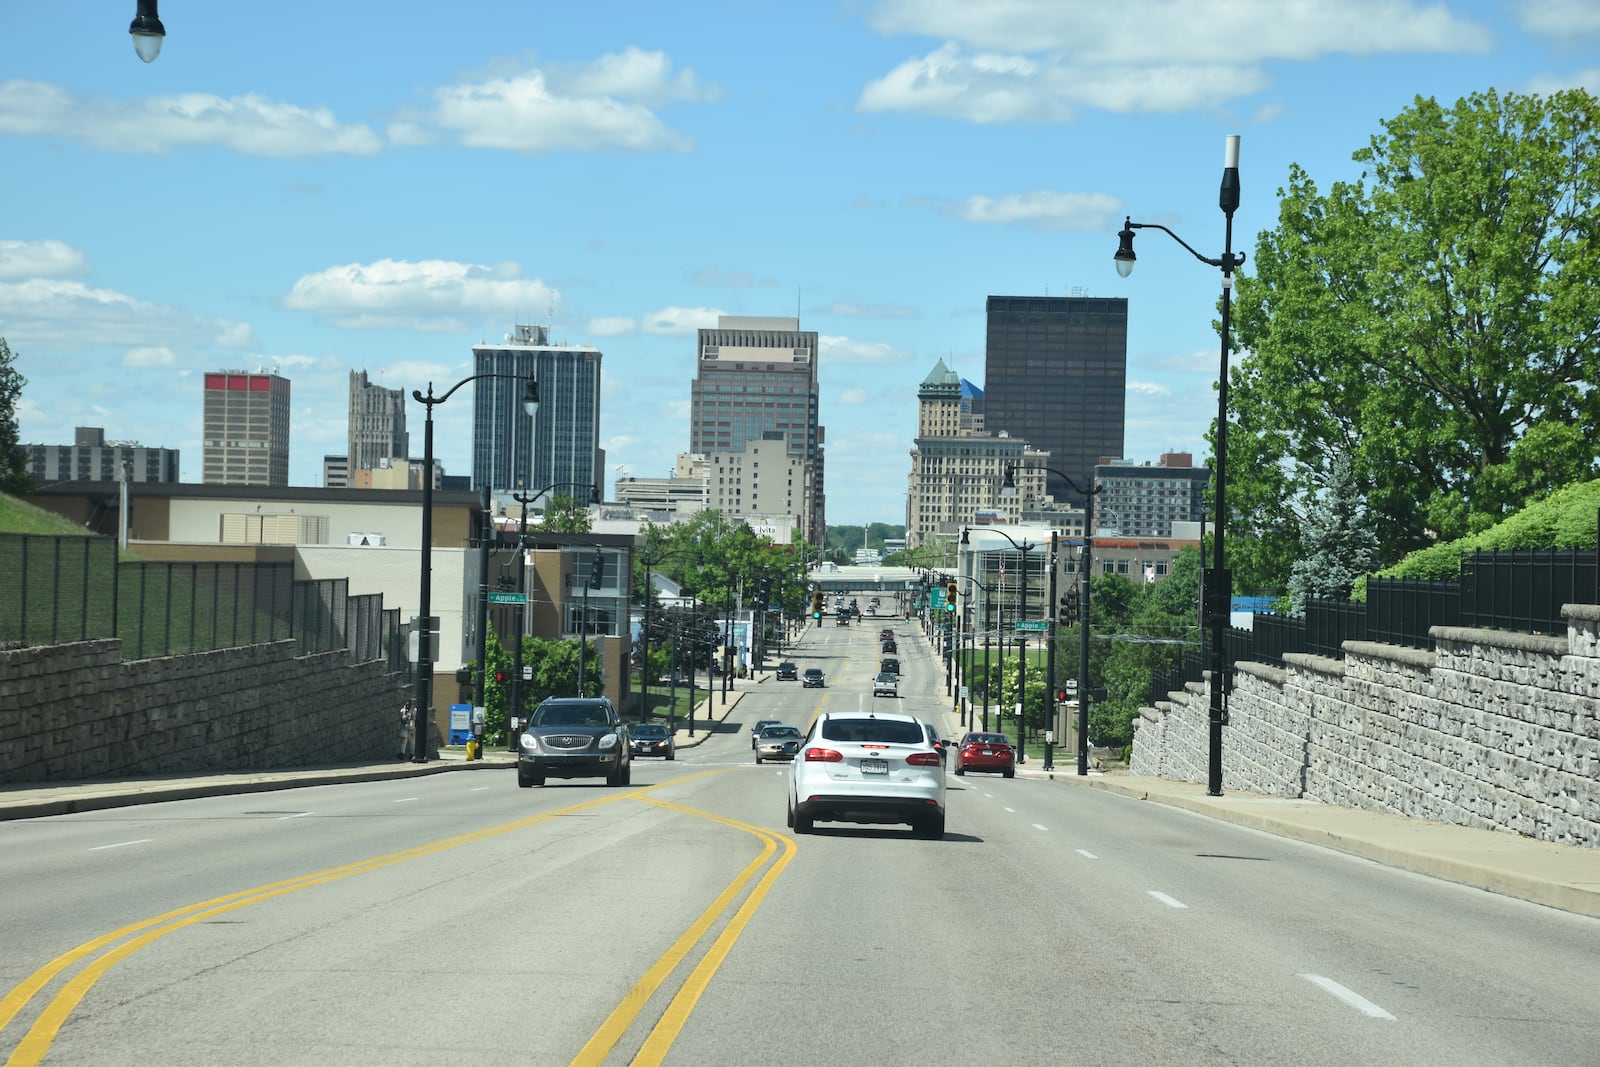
x=986 y=752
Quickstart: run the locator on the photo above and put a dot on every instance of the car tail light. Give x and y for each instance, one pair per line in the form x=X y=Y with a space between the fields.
x=923 y=759
x=823 y=755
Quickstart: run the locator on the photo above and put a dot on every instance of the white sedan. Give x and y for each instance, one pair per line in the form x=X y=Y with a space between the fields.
x=865 y=767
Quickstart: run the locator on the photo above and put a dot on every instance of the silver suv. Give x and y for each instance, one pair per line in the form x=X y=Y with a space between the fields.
x=886 y=685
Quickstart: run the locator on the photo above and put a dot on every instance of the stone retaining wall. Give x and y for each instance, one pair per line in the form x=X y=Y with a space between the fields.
x=1494 y=730
x=79 y=711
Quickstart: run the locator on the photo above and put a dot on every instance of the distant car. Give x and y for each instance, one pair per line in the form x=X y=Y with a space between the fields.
x=986 y=752
x=889 y=648
x=889 y=665
x=651 y=739
x=759 y=725
x=787 y=672
x=885 y=685
x=812 y=678
x=885 y=635
x=574 y=737
x=779 y=742
x=867 y=767
x=842 y=620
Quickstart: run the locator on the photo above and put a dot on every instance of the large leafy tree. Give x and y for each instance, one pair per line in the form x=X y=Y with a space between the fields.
x=1436 y=322
x=14 y=476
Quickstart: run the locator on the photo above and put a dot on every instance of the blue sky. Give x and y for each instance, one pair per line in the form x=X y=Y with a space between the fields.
x=383 y=186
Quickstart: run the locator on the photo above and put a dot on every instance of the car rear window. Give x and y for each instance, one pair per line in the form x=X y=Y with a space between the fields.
x=893 y=731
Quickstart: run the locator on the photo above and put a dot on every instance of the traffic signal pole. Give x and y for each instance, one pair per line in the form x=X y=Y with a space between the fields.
x=1050 y=663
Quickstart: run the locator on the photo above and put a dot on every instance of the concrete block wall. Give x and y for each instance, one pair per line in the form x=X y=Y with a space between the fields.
x=1491 y=729
x=79 y=711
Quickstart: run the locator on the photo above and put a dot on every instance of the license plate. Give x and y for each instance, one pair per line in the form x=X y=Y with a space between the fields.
x=874 y=766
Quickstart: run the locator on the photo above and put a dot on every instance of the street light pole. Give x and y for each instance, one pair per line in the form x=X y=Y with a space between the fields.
x=1023 y=548
x=425 y=634
x=513 y=727
x=1050 y=660
x=1217 y=599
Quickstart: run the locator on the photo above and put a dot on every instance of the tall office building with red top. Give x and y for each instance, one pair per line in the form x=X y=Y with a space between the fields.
x=245 y=431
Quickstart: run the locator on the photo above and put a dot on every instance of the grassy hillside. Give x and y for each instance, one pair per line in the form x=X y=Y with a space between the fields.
x=19 y=516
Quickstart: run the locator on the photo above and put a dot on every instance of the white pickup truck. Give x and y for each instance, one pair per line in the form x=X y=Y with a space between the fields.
x=886 y=685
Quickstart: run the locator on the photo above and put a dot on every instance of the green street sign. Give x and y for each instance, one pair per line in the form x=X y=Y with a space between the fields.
x=508 y=598
x=1031 y=625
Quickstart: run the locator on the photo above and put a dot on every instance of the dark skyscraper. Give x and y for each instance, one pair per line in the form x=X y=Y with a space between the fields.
x=1056 y=371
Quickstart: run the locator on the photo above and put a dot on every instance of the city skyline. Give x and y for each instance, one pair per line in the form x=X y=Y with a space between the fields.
x=305 y=210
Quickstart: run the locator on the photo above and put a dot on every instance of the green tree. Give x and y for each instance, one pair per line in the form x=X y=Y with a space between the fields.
x=1337 y=544
x=1435 y=322
x=14 y=476
x=566 y=514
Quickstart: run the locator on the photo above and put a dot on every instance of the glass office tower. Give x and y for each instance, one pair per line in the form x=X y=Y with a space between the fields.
x=561 y=442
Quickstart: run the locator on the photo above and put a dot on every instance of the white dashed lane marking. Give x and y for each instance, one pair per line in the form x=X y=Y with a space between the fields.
x=1355 y=1000
x=122 y=844
x=1168 y=901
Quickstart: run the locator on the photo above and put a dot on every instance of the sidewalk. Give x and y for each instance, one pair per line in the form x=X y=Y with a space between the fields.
x=1566 y=877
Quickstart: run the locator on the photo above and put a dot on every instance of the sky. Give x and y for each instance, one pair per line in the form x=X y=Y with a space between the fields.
x=381 y=187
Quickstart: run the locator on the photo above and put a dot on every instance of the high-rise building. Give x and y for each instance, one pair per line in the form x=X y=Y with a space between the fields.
x=245 y=429
x=1145 y=500
x=560 y=444
x=1056 y=374
x=91 y=458
x=755 y=376
x=957 y=472
x=765 y=480
x=377 y=428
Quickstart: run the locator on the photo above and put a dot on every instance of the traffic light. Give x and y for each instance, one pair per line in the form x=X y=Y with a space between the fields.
x=463 y=675
x=816 y=603
x=950 y=597
x=1068 y=613
x=1061 y=696
x=502 y=676
x=597 y=571
x=764 y=592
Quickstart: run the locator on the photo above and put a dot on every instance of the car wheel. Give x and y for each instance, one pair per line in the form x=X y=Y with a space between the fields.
x=931 y=827
x=524 y=780
x=960 y=770
x=1010 y=772
x=537 y=779
x=802 y=823
x=627 y=773
x=788 y=815
x=758 y=761
x=614 y=776
x=672 y=753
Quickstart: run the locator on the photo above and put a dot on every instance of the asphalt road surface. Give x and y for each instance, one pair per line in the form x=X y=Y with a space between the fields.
x=455 y=918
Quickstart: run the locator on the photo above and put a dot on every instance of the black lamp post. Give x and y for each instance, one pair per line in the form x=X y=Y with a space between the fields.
x=1217 y=599
x=521 y=606
x=987 y=594
x=1023 y=547
x=425 y=634
x=147 y=31
x=1085 y=560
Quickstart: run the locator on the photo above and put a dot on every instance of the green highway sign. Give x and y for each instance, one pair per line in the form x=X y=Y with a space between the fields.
x=1029 y=624
x=508 y=598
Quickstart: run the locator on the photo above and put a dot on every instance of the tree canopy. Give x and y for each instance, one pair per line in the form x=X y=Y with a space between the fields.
x=14 y=476
x=1435 y=322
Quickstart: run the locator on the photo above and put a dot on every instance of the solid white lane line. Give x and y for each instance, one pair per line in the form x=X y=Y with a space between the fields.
x=1036 y=826
x=1086 y=854
x=406 y=800
x=1168 y=901
x=123 y=844
x=1355 y=1000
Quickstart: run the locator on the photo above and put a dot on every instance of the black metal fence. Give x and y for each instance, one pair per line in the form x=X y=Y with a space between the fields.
x=1520 y=590
x=60 y=589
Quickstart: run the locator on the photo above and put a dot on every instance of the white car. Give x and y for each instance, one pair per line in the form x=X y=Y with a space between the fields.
x=865 y=767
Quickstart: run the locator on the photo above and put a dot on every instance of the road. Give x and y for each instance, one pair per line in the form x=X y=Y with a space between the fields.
x=455 y=918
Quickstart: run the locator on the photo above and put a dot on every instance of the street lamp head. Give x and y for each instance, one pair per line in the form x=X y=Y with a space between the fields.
x=1125 y=257
x=964 y=539
x=147 y=31
x=530 y=396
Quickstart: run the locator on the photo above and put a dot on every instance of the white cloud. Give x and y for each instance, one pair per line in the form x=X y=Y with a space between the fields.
x=426 y=294
x=846 y=350
x=612 y=327
x=1560 y=20
x=853 y=397
x=677 y=321
x=1149 y=388
x=248 y=124
x=566 y=107
x=1044 y=210
x=56 y=315
x=849 y=309
x=1546 y=84
x=149 y=357
x=40 y=259
x=1042 y=61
